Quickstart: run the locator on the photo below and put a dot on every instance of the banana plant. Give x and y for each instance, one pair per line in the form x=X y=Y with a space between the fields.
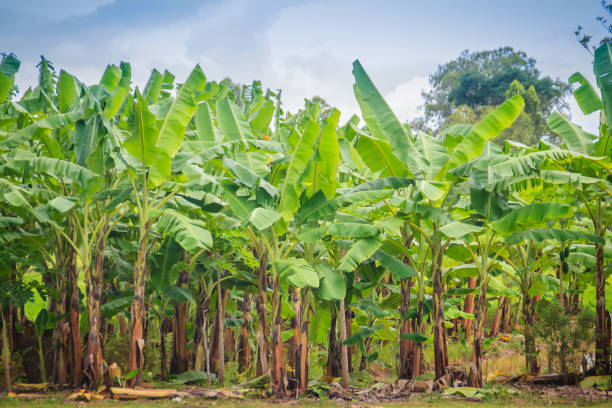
x=591 y=177
x=397 y=153
x=147 y=151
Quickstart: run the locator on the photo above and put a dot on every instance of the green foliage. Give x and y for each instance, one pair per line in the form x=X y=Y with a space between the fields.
x=466 y=89
x=566 y=337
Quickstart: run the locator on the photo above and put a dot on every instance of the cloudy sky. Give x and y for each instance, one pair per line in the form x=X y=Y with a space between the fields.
x=303 y=47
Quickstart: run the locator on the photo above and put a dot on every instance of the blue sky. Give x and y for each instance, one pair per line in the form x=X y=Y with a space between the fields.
x=303 y=47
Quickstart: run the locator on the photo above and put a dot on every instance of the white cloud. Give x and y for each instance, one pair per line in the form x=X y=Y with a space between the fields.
x=406 y=97
x=54 y=10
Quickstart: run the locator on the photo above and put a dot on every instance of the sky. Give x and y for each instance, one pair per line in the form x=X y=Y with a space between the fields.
x=304 y=47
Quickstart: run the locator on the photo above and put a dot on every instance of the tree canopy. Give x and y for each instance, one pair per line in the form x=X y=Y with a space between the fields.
x=470 y=85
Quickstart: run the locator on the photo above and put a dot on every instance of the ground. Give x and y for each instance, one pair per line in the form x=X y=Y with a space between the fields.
x=431 y=400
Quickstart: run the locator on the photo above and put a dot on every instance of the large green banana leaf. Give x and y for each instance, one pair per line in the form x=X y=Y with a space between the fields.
x=529 y=215
x=490 y=127
x=542 y=234
x=8 y=68
x=602 y=66
x=290 y=188
x=172 y=131
x=232 y=121
x=360 y=251
x=586 y=96
x=39 y=127
x=329 y=154
x=297 y=272
x=331 y=283
x=263 y=218
x=575 y=138
x=204 y=123
x=59 y=169
x=66 y=90
x=457 y=229
x=189 y=233
x=379 y=157
x=144 y=133
x=382 y=122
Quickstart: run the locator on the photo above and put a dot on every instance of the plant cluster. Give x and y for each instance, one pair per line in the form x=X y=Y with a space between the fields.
x=204 y=210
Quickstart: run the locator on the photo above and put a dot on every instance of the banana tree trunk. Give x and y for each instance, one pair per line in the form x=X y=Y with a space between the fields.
x=244 y=348
x=417 y=348
x=602 y=329
x=200 y=342
x=221 y=299
x=440 y=353
x=333 y=351
x=179 y=363
x=302 y=352
x=215 y=336
x=343 y=351
x=292 y=376
x=75 y=326
x=263 y=332
x=94 y=298
x=61 y=335
x=137 y=340
x=406 y=345
x=348 y=318
x=501 y=304
x=6 y=351
x=468 y=307
x=531 y=356
x=506 y=315
x=278 y=369
x=163 y=331
x=475 y=374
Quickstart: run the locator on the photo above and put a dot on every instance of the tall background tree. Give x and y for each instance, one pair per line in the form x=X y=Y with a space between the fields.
x=467 y=88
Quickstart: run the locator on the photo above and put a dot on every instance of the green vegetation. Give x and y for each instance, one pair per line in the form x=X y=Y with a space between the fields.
x=198 y=233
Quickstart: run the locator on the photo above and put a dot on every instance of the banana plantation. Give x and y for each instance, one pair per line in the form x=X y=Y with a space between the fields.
x=199 y=231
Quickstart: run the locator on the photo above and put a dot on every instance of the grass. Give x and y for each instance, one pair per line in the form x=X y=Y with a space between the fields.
x=417 y=402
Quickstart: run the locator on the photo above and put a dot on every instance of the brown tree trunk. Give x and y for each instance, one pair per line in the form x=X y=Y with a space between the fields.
x=278 y=369
x=215 y=336
x=94 y=284
x=165 y=325
x=221 y=299
x=440 y=353
x=417 y=348
x=61 y=333
x=531 y=357
x=6 y=352
x=348 y=318
x=123 y=327
x=179 y=362
x=244 y=348
x=343 y=351
x=475 y=373
x=229 y=342
x=302 y=352
x=498 y=316
x=468 y=307
x=137 y=340
x=200 y=342
x=263 y=332
x=75 y=326
x=506 y=316
x=602 y=329
x=294 y=342
x=333 y=351
x=406 y=345
x=12 y=333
